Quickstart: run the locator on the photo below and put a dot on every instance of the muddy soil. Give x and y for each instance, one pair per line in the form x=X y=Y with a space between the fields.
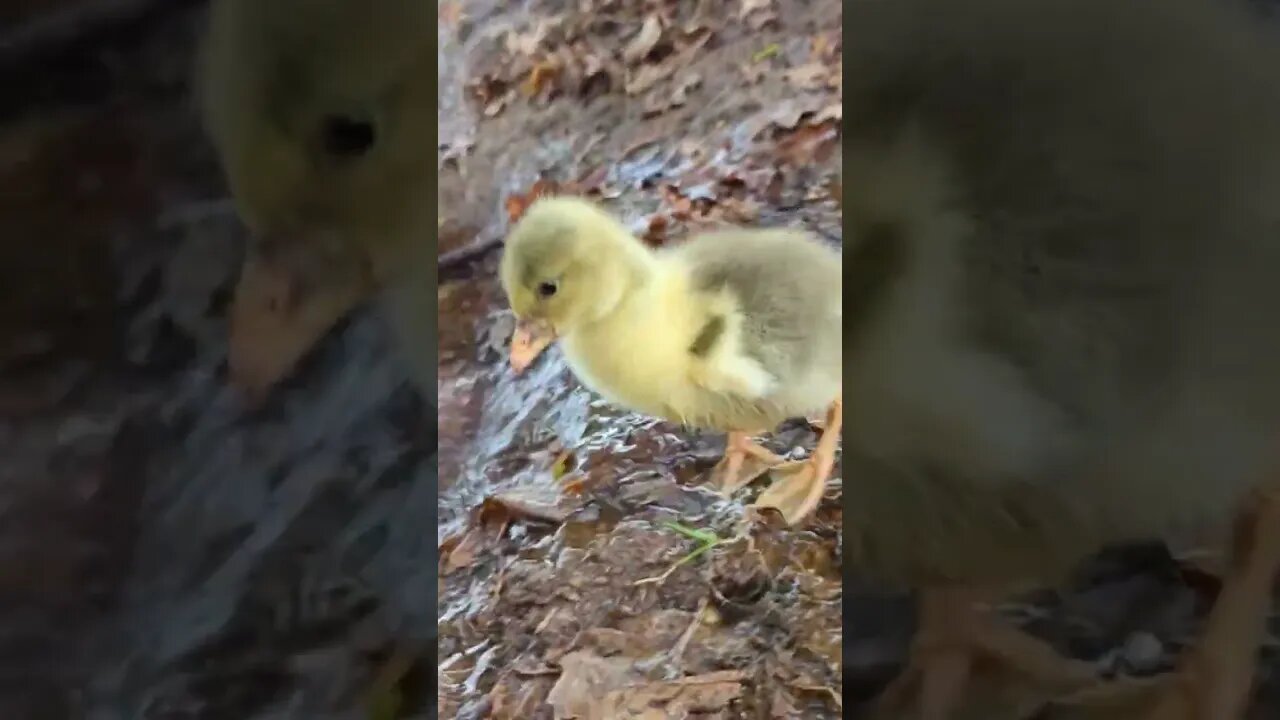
x=165 y=554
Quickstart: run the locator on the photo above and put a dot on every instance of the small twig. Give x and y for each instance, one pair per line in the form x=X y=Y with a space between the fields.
x=467 y=255
x=707 y=540
x=546 y=621
x=678 y=651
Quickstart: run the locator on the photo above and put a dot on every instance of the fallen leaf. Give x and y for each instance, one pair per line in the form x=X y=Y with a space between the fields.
x=646 y=77
x=656 y=234
x=752 y=73
x=465 y=552
x=826 y=46
x=450 y=13
x=492 y=109
x=686 y=85
x=812 y=76
x=788 y=115
x=658 y=104
x=835 y=191
x=517 y=696
x=834 y=111
x=585 y=680
x=758 y=21
x=694 y=41
x=736 y=211
x=751 y=6
x=592 y=73
x=517 y=203
x=645 y=41
x=524 y=505
x=528 y=42
x=677 y=698
x=682 y=207
x=542 y=74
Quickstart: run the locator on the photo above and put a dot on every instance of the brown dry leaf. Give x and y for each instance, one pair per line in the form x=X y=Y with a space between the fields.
x=649 y=75
x=835 y=191
x=656 y=234
x=834 y=111
x=699 y=693
x=645 y=41
x=681 y=206
x=528 y=42
x=517 y=203
x=813 y=76
x=736 y=211
x=826 y=46
x=517 y=698
x=646 y=77
x=658 y=104
x=753 y=73
x=533 y=504
x=694 y=40
x=789 y=114
x=752 y=6
x=589 y=73
x=758 y=21
x=585 y=680
x=450 y=13
x=465 y=552
x=494 y=108
x=687 y=84
x=541 y=75
x=488 y=88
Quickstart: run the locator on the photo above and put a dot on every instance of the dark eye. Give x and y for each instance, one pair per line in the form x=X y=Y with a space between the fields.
x=347 y=137
x=546 y=289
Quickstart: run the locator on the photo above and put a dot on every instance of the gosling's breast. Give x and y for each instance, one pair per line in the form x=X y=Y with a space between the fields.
x=635 y=369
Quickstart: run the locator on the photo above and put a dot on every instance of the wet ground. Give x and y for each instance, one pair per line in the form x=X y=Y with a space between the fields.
x=560 y=594
x=166 y=554
x=557 y=509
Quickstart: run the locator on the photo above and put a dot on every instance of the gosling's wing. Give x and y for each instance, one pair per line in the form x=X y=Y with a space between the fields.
x=774 y=298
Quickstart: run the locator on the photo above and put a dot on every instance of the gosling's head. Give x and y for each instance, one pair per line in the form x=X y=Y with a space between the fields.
x=568 y=263
x=320 y=111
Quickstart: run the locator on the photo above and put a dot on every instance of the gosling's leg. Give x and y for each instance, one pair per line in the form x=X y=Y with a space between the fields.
x=798 y=489
x=953 y=635
x=744 y=460
x=1216 y=679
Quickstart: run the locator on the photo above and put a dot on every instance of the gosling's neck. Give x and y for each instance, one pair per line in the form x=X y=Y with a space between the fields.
x=635 y=270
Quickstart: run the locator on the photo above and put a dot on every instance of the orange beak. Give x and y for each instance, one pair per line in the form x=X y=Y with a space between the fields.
x=528 y=341
x=274 y=323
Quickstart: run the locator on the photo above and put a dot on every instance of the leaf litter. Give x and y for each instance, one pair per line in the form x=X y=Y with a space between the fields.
x=581 y=544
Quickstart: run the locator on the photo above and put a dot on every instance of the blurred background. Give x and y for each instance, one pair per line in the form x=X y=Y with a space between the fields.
x=164 y=553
